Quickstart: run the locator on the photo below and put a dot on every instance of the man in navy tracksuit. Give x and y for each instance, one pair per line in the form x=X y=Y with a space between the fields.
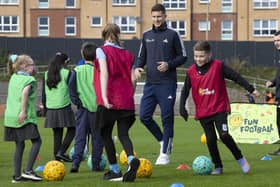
x=275 y=82
x=162 y=51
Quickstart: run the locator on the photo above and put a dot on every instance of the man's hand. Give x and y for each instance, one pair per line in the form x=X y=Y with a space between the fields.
x=163 y=66
x=268 y=84
x=184 y=113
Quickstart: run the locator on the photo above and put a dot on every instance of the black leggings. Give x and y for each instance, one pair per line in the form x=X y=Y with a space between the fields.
x=20 y=145
x=105 y=120
x=59 y=144
x=220 y=122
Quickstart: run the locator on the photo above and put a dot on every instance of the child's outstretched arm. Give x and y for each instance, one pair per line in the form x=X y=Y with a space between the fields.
x=184 y=96
x=24 y=98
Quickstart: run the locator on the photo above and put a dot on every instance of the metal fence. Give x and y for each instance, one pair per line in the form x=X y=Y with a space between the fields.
x=43 y=49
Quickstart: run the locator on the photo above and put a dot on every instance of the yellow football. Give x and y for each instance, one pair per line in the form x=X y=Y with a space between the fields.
x=54 y=171
x=123 y=157
x=203 y=139
x=145 y=169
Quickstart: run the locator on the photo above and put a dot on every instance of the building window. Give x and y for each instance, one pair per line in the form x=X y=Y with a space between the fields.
x=70 y=26
x=123 y=2
x=226 y=32
x=179 y=26
x=202 y=26
x=204 y=1
x=265 y=27
x=43 y=26
x=96 y=21
x=9 y=24
x=8 y=2
x=226 y=5
x=43 y=4
x=265 y=4
x=174 y=4
x=127 y=24
x=70 y=4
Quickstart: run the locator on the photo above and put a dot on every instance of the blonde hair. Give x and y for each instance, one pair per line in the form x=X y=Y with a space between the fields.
x=112 y=32
x=22 y=62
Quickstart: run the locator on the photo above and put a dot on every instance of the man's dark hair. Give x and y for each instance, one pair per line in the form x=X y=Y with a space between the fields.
x=277 y=33
x=158 y=7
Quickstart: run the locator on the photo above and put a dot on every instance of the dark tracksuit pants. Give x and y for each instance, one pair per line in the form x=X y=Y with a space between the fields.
x=220 y=122
x=164 y=95
x=84 y=126
x=278 y=119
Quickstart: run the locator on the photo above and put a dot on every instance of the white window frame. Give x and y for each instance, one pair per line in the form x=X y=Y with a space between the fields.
x=203 y=28
x=226 y=33
x=43 y=4
x=264 y=31
x=226 y=5
x=46 y=29
x=73 y=6
x=265 y=4
x=178 y=28
x=204 y=1
x=130 y=22
x=70 y=26
x=9 y=2
x=96 y=25
x=169 y=3
x=122 y=3
x=9 y=25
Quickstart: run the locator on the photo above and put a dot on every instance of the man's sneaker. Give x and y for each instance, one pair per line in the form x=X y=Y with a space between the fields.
x=112 y=176
x=19 y=179
x=217 y=171
x=275 y=153
x=163 y=159
x=130 y=175
x=245 y=166
x=74 y=168
x=31 y=175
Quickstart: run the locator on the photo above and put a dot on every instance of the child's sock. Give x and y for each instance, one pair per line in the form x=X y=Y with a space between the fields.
x=244 y=165
x=130 y=158
x=115 y=168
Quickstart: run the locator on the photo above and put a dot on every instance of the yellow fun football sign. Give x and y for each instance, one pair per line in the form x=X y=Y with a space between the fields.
x=253 y=123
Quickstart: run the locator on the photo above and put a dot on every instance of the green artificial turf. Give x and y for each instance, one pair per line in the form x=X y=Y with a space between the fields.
x=187 y=147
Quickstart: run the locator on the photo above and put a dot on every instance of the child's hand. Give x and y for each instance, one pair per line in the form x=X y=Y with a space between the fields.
x=184 y=113
x=256 y=93
x=22 y=116
x=137 y=73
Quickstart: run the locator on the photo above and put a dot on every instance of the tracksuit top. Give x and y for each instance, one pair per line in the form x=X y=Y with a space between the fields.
x=13 y=108
x=161 y=44
x=85 y=89
x=119 y=88
x=58 y=97
x=276 y=83
x=209 y=90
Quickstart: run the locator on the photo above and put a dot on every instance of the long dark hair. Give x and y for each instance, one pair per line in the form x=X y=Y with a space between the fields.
x=60 y=60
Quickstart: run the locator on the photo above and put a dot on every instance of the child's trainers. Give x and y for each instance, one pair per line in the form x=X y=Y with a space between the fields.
x=19 y=179
x=31 y=175
x=130 y=175
x=217 y=171
x=245 y=166
x=112 y=176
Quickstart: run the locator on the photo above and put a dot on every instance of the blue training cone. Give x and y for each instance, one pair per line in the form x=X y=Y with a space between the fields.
x=40 y=168
x=266 y=158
